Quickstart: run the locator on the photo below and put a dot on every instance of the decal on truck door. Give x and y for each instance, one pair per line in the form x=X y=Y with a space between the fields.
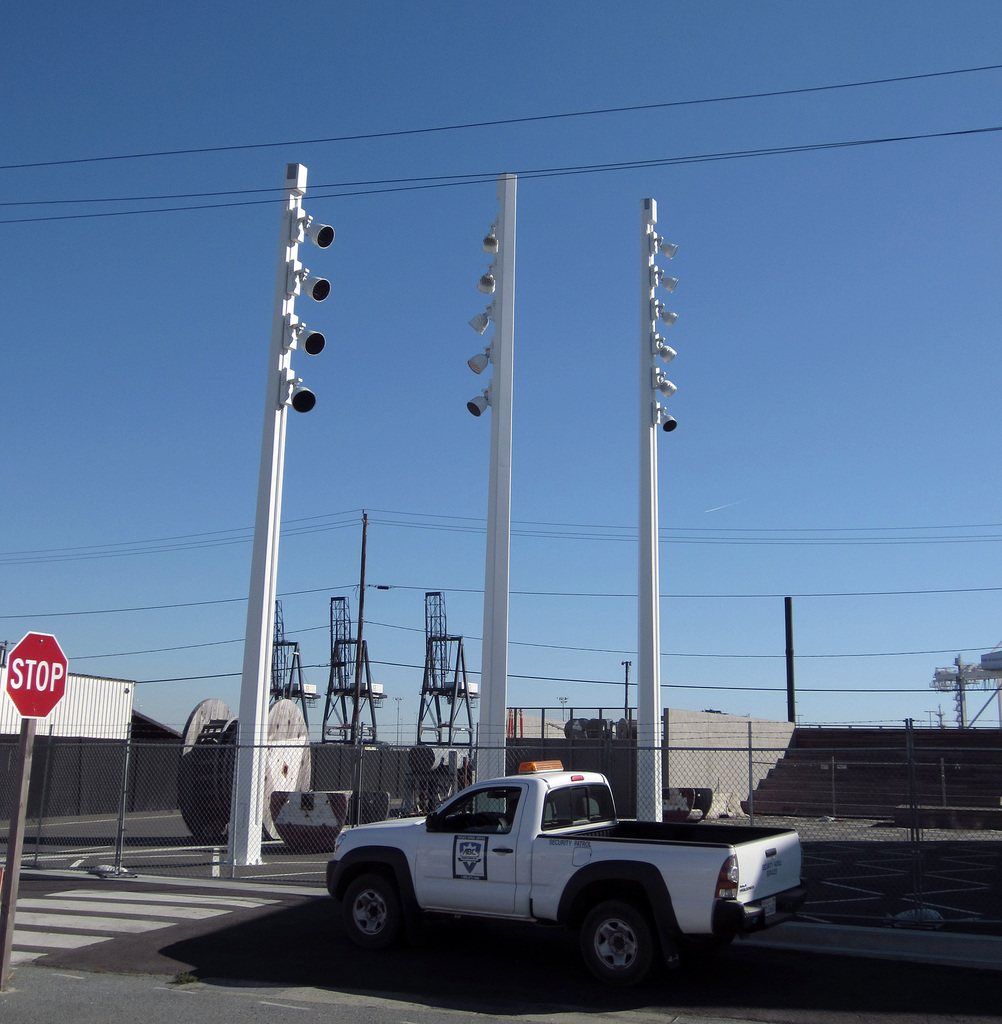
x=469 y=857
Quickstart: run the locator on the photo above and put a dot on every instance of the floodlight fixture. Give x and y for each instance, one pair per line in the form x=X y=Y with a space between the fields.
x=478 y=406
x=321 y=235
x=661 y=312
x=480 y=361
x=668 y=423
x=481 y=321
x=659 y=245
x=660 y=277
x=303 y=400
x=663 y=384
x=491 y=244
x=660 y=348
x=313 y=342
x=487 y=284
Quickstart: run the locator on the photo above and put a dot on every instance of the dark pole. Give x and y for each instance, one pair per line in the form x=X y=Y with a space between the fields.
x=626 y=699
x=355 y=736
x=791 y=694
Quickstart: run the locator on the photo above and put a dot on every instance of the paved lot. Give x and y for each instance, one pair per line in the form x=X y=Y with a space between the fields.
x=293 y=941
x=859 y=872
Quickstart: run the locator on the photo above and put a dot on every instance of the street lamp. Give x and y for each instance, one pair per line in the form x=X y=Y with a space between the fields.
x=284 y=390
x=654 y=385
x=499 y=282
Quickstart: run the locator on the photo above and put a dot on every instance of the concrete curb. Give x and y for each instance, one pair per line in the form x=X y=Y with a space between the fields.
x=951 y=949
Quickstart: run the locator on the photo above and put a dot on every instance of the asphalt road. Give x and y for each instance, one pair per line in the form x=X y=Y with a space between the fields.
x=296 y=945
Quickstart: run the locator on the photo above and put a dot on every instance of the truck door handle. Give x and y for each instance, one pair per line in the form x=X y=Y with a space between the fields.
x=502 y=849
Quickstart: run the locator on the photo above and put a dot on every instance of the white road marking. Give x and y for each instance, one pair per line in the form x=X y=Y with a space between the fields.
x=140 y=909
x=178 y=899
x=55 y=940
x=69 y=919
x=87 y=923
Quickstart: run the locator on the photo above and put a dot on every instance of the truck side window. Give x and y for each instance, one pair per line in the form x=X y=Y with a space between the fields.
x=486 y=810
x=577 y=805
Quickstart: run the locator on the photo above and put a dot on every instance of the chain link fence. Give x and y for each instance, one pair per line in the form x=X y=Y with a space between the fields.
x=898 y=827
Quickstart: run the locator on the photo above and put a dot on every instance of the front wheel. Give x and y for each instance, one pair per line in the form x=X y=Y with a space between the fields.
x=371 y=911
x=617 y=943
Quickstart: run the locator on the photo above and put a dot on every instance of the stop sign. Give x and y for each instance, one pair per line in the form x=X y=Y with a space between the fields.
x=36 y=675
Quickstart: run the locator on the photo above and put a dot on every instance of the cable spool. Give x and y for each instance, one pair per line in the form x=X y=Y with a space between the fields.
x=288 y=765
x=208 y=756
x=205 y=774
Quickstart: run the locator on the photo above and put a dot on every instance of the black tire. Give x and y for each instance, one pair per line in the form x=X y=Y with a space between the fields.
x=617 y=943
x=371 y=913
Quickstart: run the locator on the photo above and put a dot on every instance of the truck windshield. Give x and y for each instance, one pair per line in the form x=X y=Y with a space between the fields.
x=577 y=805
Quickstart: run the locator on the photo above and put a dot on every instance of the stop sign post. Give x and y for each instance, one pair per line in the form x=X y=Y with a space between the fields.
x=36 y=675
x=36 y=682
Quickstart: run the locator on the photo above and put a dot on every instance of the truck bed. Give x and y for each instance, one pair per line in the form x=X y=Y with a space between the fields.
x=698 y=833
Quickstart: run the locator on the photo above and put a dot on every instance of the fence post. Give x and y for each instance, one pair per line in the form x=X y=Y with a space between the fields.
x=751 y=780
x=914 y=817
x=43 y=803
x=120 y=840
x=833 y=785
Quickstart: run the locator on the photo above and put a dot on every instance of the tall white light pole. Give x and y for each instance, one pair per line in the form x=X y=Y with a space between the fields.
x=653 y=384
x=283 y=389
x=499 y=281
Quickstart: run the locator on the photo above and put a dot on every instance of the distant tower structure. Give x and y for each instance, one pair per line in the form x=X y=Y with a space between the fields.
x=963 y=677
x=342 y=698
x=287 y=669
x=445 y=718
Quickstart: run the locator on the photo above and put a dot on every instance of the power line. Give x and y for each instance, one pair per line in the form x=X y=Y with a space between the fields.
x=809 y=536
x=519 y=593
x=528 y=175
x=503 y=122
x=578 y=681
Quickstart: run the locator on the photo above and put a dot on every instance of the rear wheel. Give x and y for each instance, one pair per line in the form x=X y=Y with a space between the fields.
x=371 y=911
x=617 y=943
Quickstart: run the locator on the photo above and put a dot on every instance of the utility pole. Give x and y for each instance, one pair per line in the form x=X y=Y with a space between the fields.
x=356 y=737
x=791 y=692
x=626 y=698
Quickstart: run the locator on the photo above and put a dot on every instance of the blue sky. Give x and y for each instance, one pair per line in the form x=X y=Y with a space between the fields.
x=839 y=313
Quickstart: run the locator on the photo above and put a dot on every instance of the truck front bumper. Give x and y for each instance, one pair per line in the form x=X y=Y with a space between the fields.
x=733 y=918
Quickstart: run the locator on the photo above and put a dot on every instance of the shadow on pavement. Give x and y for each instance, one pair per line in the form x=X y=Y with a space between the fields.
x=501 y=968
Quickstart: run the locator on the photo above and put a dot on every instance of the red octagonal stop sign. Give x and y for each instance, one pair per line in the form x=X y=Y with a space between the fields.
x=36 y=675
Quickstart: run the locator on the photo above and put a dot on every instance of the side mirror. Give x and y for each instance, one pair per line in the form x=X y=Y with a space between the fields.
x=431 y=822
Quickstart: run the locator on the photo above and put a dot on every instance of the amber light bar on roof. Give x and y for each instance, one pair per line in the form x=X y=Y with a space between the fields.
x=531 y=767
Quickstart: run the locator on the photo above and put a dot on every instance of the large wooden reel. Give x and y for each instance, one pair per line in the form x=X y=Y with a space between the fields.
x=208 y=757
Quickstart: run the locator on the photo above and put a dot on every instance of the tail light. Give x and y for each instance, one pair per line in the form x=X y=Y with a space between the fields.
x=727 y=879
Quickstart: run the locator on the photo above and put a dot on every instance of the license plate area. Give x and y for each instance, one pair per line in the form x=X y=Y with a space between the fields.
x=769 y=907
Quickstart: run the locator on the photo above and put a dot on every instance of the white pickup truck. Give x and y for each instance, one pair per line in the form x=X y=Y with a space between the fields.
x=545 y=845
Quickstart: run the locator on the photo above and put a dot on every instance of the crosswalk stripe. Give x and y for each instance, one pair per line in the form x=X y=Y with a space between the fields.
x=69 y=919
x=54 y=940
x=126 y=925
x=235 y=903
x=179 y=913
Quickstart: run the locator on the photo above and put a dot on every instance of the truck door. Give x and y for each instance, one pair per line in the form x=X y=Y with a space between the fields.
x=467 y=860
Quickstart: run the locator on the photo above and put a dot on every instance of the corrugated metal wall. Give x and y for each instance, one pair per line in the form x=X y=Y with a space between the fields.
x=91 y=708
